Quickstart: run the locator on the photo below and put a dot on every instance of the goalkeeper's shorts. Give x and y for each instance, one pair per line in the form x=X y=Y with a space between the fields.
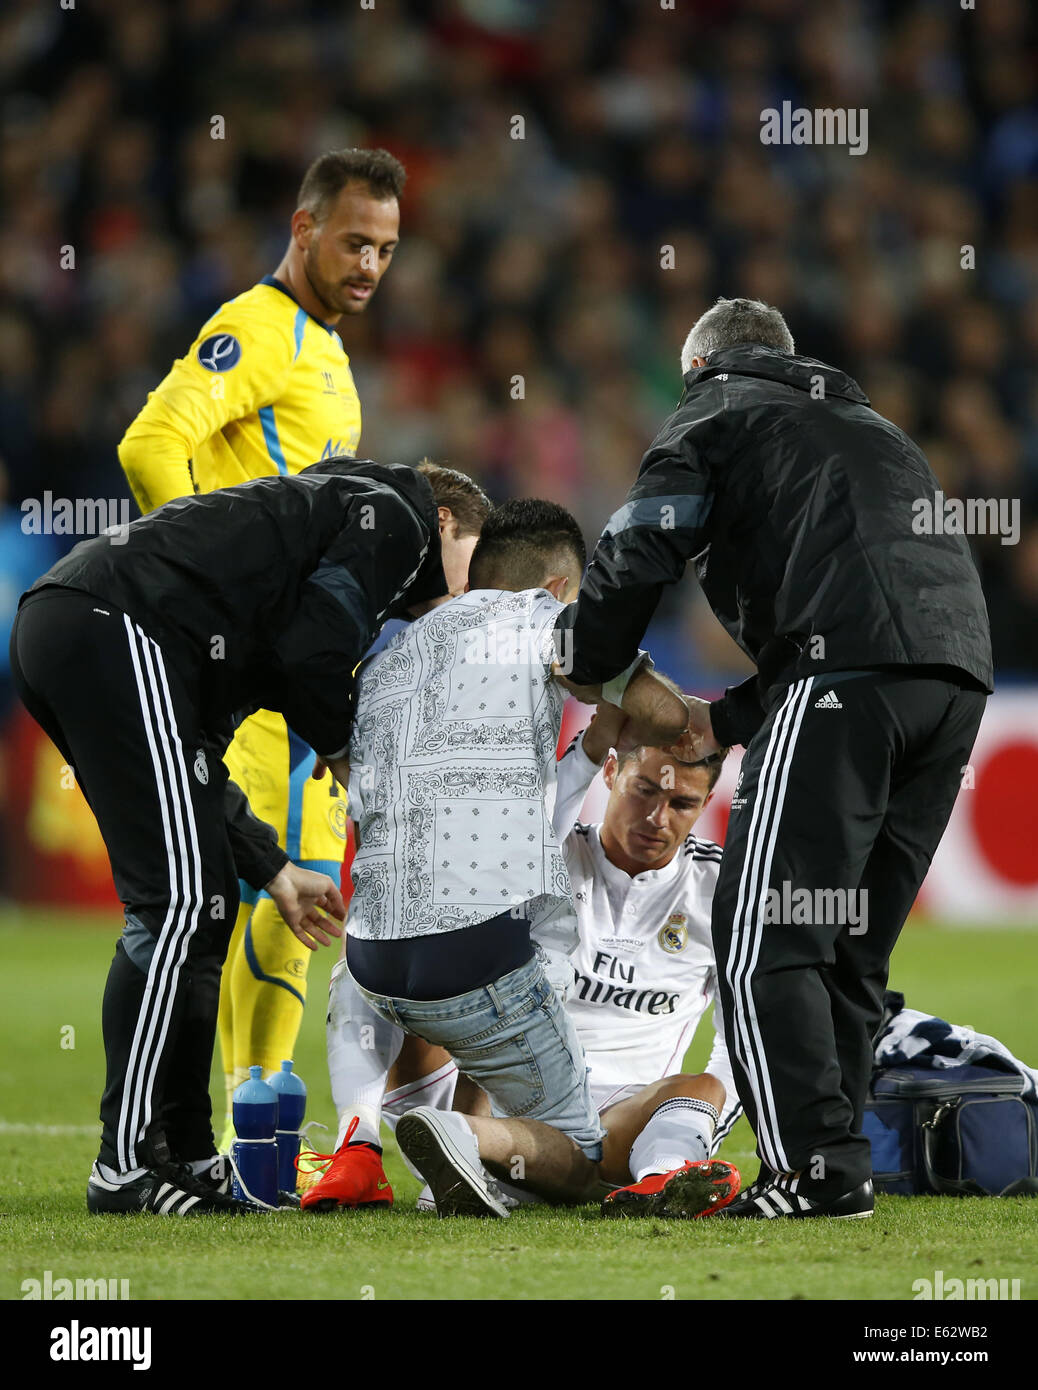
x=272 y=765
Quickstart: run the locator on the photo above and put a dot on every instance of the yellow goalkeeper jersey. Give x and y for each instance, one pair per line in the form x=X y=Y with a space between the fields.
x=265 y=388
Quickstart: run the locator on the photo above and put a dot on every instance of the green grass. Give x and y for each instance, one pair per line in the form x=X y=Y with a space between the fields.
x=55 y=966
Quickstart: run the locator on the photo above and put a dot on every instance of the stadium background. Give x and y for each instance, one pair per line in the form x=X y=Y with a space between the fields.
x=538 y=258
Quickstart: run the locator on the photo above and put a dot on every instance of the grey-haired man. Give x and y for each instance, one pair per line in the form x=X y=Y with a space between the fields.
x=799 y=507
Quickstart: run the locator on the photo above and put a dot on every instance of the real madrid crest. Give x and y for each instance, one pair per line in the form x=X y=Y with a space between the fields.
x=673 y=935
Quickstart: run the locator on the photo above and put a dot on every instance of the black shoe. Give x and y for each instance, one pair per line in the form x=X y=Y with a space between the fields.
x=171 y=1190
x=217 y=1177
x=763 y=1201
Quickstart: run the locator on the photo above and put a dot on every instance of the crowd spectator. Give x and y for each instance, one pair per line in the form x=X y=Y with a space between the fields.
x=584 y=179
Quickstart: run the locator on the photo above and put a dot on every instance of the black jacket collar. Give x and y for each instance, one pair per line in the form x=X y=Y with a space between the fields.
x=753 y=359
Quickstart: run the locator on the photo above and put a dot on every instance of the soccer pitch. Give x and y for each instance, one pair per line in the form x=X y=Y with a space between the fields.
x=50 y=1078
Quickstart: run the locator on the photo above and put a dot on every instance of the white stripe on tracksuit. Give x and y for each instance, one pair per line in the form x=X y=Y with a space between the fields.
x=747 y=924
x=185 y=892
x=727 y=1125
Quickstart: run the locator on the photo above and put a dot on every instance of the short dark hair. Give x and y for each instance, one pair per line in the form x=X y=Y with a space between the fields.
x=713 y=762
x=381 y=173
x=467 y=502
x=522 y=541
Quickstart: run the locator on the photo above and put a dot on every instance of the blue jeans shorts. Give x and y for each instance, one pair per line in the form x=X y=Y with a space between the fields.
x=514 y=1038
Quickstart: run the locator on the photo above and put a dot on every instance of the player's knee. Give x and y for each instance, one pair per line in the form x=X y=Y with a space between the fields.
x=702 y=1086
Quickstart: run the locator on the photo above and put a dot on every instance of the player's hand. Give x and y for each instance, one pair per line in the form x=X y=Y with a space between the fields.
x=657 y=709
x=339 y=768
x=606 y=731
x=303 y=899
x=699 y=736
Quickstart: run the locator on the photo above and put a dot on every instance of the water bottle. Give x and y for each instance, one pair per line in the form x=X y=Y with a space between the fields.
x=291 y=1094
x=254 y=1151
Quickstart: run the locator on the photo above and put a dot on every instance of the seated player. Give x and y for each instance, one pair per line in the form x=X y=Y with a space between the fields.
x=644 y=975
x=457 y=869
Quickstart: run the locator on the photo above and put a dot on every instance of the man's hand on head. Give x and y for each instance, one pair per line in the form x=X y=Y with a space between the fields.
x=655 y=710
x=656 y=706
x=699 y=738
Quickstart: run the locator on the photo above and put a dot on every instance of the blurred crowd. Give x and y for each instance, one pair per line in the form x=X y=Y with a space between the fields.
x=542 y=258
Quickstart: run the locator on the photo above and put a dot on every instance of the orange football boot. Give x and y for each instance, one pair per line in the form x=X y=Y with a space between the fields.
x=693 y=1190
x=353 y=1178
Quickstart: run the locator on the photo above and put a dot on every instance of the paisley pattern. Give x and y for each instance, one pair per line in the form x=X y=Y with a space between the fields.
x=453 y=751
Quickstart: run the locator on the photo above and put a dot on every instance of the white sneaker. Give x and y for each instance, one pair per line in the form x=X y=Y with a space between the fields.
x=513 y=1196
x=444 y=1150
x=505 y=1194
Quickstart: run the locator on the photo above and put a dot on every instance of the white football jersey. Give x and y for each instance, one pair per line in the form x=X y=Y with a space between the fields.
x=644 y=961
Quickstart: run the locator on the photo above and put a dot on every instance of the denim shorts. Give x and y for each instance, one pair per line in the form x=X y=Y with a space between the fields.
x=514 y=1039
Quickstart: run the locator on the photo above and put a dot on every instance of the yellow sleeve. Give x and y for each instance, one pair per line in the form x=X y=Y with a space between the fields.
x=238 y=363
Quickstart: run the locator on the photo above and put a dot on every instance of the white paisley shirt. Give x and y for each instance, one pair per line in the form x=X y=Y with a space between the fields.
x=452 y=757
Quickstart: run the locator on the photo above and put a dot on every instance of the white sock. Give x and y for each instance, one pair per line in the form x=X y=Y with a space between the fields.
x=435 y=1090
x=361 y=1049
x=113 y=1174
x=678 y=1131
x=368 y=1129
x=205 y=1165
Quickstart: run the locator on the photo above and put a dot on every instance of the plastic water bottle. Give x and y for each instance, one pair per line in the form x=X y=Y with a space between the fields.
x=255 y=1110
x=291 y=1094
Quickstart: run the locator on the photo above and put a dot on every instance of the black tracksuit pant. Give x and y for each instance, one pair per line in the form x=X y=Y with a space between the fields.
x=845 y=792
x=126 y=720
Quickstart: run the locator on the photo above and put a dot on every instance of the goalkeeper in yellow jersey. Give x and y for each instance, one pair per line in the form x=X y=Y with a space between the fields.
x=265 y=389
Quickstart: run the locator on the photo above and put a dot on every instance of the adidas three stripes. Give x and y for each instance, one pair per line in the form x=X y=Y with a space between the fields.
x=843 y=797
x=124 y=719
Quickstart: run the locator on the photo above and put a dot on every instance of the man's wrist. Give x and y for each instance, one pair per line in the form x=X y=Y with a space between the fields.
x=277 y=874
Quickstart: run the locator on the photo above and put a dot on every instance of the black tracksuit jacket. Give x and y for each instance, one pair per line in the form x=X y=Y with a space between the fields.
x=267 y=595
x=794 y=499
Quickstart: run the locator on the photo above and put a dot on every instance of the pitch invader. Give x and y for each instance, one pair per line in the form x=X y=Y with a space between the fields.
x=266 y=388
